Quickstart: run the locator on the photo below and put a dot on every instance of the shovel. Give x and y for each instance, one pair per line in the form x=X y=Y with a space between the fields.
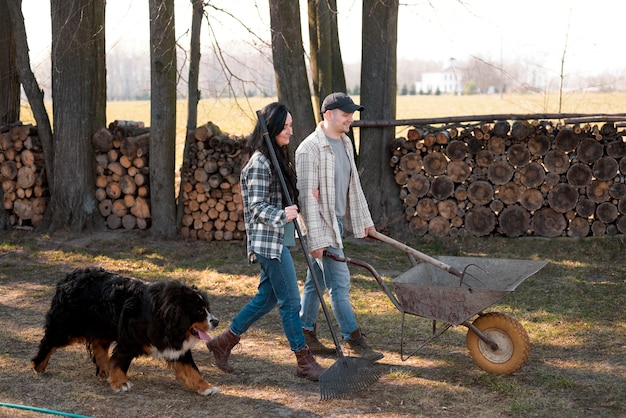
x=348 y=374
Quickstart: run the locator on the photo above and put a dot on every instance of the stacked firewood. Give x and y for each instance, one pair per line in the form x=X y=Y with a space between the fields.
x=122 y=182
x=210 y=190
x=526 y=179
x=22 y=174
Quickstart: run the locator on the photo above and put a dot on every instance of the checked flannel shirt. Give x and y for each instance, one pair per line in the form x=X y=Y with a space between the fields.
x=315 y=167
x=263 y=211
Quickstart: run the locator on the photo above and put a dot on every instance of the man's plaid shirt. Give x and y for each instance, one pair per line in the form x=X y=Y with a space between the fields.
x=315 y=167
x=263 y=210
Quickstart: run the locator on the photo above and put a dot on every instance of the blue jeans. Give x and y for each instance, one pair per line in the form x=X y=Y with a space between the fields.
x=335 y=278
x=278 y=284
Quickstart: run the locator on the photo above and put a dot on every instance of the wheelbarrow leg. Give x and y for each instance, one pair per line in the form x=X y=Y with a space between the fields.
x=436 y=333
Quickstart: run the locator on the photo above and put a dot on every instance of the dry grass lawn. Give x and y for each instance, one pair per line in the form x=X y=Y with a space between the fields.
x=573 y=311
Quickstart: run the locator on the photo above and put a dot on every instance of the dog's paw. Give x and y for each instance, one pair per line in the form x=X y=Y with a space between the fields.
x=102 y=375
x=210 y=391
x=124 y=387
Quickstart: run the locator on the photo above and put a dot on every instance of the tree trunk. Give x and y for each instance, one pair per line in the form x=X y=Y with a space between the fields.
x=79 y=91
x=10 y=85
x=163 y=117
x=320 y=47
x=32 y=89
x=194 y=94
x=338 y=74
x=378 y=96
x=291 y=77
x=326 y=63
x=194 y=65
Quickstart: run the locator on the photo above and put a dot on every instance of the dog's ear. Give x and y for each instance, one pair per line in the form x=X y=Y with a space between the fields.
x=174 y=320
x=173 y=314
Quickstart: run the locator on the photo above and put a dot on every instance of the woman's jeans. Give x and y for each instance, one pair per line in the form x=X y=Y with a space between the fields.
x=278 y=284
x=335 y=278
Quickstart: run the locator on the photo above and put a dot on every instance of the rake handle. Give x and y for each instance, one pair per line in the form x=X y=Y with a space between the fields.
x=414 y=252
x=309 y=260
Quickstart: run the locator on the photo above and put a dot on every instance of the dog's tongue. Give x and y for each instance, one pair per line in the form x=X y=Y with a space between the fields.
x=203 y=335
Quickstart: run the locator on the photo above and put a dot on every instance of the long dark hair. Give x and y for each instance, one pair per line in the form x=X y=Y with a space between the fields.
x=275 y=116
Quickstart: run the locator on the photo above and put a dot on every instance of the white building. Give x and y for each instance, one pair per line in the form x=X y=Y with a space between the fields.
x=447 y=81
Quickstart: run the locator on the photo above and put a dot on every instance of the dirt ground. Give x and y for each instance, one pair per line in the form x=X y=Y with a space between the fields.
x=440 y=381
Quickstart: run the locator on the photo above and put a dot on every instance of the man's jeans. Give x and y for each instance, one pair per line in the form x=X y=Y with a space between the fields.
x=335 y=278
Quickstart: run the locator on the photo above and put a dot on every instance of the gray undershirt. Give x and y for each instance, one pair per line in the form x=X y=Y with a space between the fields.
x=342 y=176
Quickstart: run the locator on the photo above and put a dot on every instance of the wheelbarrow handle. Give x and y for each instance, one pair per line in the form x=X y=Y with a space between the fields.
x=371 y=269
x=414 y=252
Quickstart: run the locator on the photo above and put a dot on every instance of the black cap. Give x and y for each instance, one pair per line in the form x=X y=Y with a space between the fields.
x=340 y=101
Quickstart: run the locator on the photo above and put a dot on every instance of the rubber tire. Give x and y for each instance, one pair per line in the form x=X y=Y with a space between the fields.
x=511 y=337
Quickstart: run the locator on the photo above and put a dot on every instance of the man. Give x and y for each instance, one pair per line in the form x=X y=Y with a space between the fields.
x=331 y=196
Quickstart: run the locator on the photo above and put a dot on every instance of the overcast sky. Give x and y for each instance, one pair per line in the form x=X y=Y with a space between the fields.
x=537 y=31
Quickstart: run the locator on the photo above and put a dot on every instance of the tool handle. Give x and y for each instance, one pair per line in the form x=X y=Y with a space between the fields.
x=414 y=252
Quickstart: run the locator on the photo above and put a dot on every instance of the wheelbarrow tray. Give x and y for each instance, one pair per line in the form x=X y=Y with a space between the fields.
x=430 y=292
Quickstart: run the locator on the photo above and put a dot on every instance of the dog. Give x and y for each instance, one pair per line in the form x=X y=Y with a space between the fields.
x=164 y=319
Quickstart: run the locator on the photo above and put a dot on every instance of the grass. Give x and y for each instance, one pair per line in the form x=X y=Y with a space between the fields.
x=573 y=310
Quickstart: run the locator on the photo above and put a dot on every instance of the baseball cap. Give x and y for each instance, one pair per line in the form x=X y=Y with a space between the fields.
x=340 y=101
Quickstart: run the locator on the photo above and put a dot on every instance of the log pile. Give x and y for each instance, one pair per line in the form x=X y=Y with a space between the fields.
x=210 y=190
x=532 y=178
x=24 y=190
x=122 y=174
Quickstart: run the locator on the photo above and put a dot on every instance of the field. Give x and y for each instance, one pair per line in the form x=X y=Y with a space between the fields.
x=237 y=116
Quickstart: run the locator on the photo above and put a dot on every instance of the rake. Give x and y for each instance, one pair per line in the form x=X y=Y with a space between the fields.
x=348 y=374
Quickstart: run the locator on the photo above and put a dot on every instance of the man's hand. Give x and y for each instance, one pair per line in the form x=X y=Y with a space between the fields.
x=371 y=228
x=317 y=253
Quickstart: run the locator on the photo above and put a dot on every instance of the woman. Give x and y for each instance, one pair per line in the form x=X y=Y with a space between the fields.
x=266 y=215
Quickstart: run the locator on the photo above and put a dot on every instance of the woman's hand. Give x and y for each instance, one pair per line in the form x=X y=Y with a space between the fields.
x=291 y=212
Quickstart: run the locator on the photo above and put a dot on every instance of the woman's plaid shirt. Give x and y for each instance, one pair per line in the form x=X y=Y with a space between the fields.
x=263 y=210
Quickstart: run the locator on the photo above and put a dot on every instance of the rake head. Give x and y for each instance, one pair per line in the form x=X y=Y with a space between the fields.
x=346 y=376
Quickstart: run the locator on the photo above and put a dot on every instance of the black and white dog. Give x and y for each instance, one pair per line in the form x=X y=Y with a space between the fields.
x=164 y=319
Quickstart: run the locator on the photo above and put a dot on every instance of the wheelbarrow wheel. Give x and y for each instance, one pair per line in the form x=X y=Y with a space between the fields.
x=511 y=338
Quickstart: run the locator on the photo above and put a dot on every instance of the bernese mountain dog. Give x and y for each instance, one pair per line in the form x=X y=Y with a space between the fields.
x=164 y=319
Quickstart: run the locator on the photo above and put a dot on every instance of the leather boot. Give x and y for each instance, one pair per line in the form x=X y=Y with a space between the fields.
x=359 y=347
x=315 y=345
x=307 y=366
x=221 y=347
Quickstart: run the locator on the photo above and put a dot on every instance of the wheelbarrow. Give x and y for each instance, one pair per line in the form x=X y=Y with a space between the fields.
x=455 y=291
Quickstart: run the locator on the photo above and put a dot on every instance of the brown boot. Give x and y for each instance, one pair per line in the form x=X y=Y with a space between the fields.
x=315 y=345
x=221 y=347
x=307 y=366
x=358 y=345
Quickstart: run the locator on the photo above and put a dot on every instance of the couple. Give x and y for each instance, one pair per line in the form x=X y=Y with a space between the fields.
x=327 y=186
